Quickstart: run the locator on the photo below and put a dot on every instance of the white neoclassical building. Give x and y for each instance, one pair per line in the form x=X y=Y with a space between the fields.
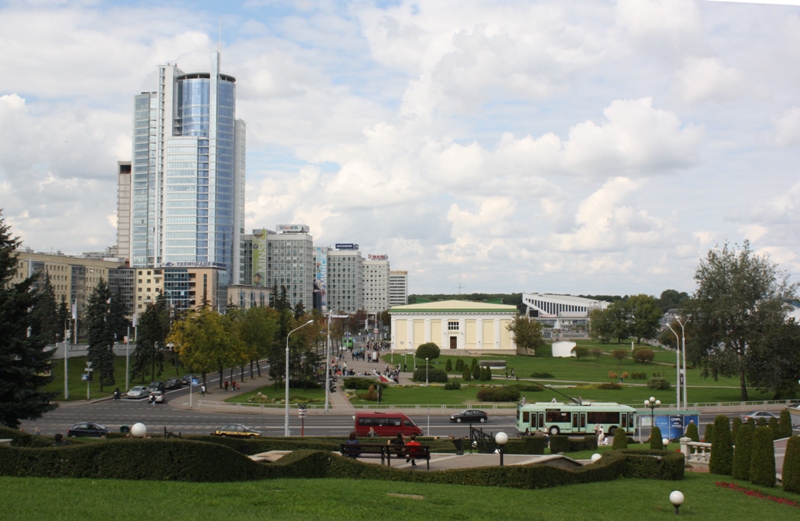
x=456 y=326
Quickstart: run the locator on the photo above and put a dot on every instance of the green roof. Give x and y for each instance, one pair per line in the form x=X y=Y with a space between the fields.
x=454 y=306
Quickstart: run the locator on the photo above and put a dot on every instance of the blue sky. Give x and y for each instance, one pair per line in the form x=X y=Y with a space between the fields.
x=570 y=146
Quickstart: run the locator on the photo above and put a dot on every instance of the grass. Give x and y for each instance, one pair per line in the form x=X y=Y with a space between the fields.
x=295 y=395
x=354 y=500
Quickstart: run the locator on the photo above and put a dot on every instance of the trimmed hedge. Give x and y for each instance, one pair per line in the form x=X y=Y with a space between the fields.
x=743 y=453
x=762 y=464
x=785 y=424
x=620 y=440
x=773 y=425
x=357 y=382
x=721 y=461
x=656 y=442
x=23 y=439
x=499 y=394
x=708 y=435
x=433 y=374
x=691 y=432
x=735 y=424
x=791 y=465
x=559 y=444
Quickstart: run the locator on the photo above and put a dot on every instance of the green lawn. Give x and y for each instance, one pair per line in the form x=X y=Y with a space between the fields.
x=354 y=500
x=316 y=396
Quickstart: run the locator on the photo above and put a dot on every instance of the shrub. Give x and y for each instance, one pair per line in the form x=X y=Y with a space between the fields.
x=743 y=453
x=467 y=374
x=752 y=423
x=736 y=423
x=762 y=464
x=448 y=366
x=620 y=440
x=473 y=364
x=371 y=395
x=459 y=364
x=785 y=424
x=580 y=352
x=434 y=375
x=655 y=439
x=613 y=375
x=658 y=384
x=625 y=375
x=542 y=375
x=452 y=385
x=610 y=386
x=527 y=388
x=762 y=422
x=691 y=432
x=643 y=355
x=708 y=436
x=619 y=354
x=597 y=353
x=356 y=382
x=721 y=447
x=427 y=350
x=499 y=394
x=559 y=444
x=791 y=464
x=773 y=425
x=476 y=372
x=639 y=376
x=545 y=351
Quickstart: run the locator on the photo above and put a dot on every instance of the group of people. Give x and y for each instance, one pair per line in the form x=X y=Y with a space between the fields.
x=233 y=385
x=601 y=436
x=401 y=447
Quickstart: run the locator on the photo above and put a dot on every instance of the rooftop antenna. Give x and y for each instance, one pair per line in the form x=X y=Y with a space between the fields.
x=219 y=34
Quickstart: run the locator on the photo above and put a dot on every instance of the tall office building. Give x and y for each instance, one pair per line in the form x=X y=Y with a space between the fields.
x=285 y=258
x=124 y=209
x=398 y=288
x=345 y=279
x=187 y=173
x=376 y=283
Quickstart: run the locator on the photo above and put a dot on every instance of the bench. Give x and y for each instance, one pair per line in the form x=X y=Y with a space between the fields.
x=386 y=452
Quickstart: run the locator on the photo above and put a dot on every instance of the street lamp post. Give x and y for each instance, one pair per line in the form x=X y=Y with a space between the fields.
x=651 y=404
x=501 y=438
x=683 y=341
x=678 y=365
x=286 y=418
x=426 y=372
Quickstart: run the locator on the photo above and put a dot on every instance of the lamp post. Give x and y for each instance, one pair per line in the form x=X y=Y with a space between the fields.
x=683 y=341
x=678 y=365
x=651 y=404
x=676 y=498
x=501 y=438
x=426 y=372
x=286 y=418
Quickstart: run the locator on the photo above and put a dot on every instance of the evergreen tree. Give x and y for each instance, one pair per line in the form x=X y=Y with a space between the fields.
x=791 y=465
x=100 y=334
x=721 y=447
x=467 y=375
x=152 y=334
x=299 y=311
x=735 y=424
x=785 y=424
x=708 y=436
x=476 y=372
x=691 y=432
x=63 y=319
x=656 y=442
x=620 y=440
x=473 y=364
x=45 y=320
x=488 y=374
x=752 y=423
x=762 y=463
x=743 y=453
x=459 y=364
x=448 y=366
x=773 y=425
x=24 y=359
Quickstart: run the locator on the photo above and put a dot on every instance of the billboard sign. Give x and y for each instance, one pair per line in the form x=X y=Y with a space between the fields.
x=347 y=246
x=321 y=276
x=377 y=257
x=260 y=258
x=292 y=228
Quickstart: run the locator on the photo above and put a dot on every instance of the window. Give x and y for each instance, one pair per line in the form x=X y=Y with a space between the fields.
x=452 y=325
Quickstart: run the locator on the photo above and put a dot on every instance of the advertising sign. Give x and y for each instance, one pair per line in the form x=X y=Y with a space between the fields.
x=260 y=258
x=321 y=277
x=292 y=228
x=377 y=257
x=347 y=246
x=674 y=425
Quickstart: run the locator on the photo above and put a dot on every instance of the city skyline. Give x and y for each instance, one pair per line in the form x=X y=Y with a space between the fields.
x=582 y=147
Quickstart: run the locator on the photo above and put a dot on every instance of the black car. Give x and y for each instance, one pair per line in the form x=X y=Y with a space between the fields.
x=470 y=416
x=157 y=386
x=187 y=378
x=92 y=429
x=173 y=383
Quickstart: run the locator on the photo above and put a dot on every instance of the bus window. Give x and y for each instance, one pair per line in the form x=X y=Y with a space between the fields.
x=558 y=417
x=526 y=417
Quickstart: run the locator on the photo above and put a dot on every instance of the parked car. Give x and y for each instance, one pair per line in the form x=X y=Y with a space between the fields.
x=469 y=416
x=92 y=429
x=157 y=386
x=187 y=378
x=760 y=414
x=236 y=430
x=158 y=395
x=173 y=383
x=140 y=391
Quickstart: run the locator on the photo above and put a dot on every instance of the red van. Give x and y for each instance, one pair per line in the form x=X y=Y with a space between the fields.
x=385 y=424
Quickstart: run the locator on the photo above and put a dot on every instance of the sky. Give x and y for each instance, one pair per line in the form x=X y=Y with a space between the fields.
x=559 y=146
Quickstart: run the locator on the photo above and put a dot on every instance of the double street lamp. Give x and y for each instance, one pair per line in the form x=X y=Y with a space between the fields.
x=286 y=419
x=651 y=404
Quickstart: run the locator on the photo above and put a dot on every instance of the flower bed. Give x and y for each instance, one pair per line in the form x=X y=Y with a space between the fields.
x=756 y=493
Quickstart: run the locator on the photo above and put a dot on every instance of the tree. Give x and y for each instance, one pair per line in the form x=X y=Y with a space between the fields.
x=762 y=464
x=741 y=300
x=620 y=355
x=476 y=372
x=671 y=299
x=597 y=353
x=100 y=333
x=580 y=352
x=24 y=359
x=46 y=322
x=721 y=447
x=773 y=426
x=527 y=333
x=791 y=465
x=620 y=440
x=467 y=374
x=63 y=318
x=656 y=442
x=785 y=424
x=448 y=366
x=600 y=327
x=428 y=350
x=151 y=333
x=736 y=424
x=691 y=432
x=743 y=454
x=643 y=355
x=645 y=316
x=619 y=318
x=258 y=331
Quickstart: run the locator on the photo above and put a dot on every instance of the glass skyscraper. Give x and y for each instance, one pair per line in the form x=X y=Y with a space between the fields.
x=188 y=173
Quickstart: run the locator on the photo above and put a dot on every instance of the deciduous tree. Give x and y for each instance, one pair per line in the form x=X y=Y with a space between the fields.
x=645 y=316
x=527 y=333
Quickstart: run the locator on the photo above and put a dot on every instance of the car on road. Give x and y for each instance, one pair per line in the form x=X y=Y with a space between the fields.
x=157 y=386
x=158 y=396
x=95 y=430
x=187 y=378
x=236 y=430
x=469 y=416
x=173 y=383
x=756 y=415
x=140 y=391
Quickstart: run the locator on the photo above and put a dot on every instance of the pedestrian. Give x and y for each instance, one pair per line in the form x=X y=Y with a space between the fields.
x=225 y=385
x=202 y=390
x=152 y=399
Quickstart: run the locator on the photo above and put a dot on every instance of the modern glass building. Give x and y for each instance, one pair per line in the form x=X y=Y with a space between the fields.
x=187 y=173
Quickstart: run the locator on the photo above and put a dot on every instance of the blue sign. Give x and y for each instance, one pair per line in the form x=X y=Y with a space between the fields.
x=674 y=425
x=346 y=246
x=195 y=381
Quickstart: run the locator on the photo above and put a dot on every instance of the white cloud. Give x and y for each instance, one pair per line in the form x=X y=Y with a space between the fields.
x=707 y=79
x=787 y=127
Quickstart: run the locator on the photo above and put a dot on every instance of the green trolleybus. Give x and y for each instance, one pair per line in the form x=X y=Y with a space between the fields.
x=569 y=418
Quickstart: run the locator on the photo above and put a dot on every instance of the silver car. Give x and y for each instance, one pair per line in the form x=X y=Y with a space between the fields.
x=138 y=392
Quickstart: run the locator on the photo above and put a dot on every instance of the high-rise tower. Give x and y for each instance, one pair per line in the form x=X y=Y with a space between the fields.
x=188 y=173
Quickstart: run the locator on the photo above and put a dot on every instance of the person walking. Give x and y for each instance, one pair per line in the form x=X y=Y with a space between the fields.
x=202 y=390
x=225 y=385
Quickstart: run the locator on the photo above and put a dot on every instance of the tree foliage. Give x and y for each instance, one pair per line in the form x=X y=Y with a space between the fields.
x=739 y=318
x=743 y=453
x=791 y=465
x=151 y=340
x=24 y=359
x=691 y=432
x=762 y=464
x=46 y=321
x=785 y=424
x=620 y=440
x=100 y=334
x=643 y=355
x=527 y=333
x=644 y=315
x=620 y=355
x=721 y=447
x=428 y=350
x=580 y=352
x=655 y=439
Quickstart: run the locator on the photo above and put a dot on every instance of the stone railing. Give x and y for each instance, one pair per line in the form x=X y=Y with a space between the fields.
x=695 y=451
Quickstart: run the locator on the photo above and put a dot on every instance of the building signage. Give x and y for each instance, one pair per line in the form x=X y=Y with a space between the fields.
x=321 y=277
x=292 y=228
x=377 y=257
x=346 y=246
x=194 y=265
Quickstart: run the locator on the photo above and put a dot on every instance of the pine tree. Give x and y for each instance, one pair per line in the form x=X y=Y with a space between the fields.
x=655 y=439
x=488 y=374
x=785 y=424
x=743 y=453
x=773 y=425
x=45 y=320
x=791 y=465
x=691 y=432
x=24 y=359
x=620 y=440
x=762 y=463
x=448 y=366
x=100 y=334
x=63 y=319
x=752 y=423
x=476 y=372
x=152 y=332
x=467 y=374
x=735 y=424
x=721 y=448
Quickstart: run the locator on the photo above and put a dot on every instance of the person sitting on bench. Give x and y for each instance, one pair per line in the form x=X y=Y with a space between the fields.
x=411 y=448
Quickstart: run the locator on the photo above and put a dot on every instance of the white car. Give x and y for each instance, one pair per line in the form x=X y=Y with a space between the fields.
x=158 y=395
x=140 y=391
